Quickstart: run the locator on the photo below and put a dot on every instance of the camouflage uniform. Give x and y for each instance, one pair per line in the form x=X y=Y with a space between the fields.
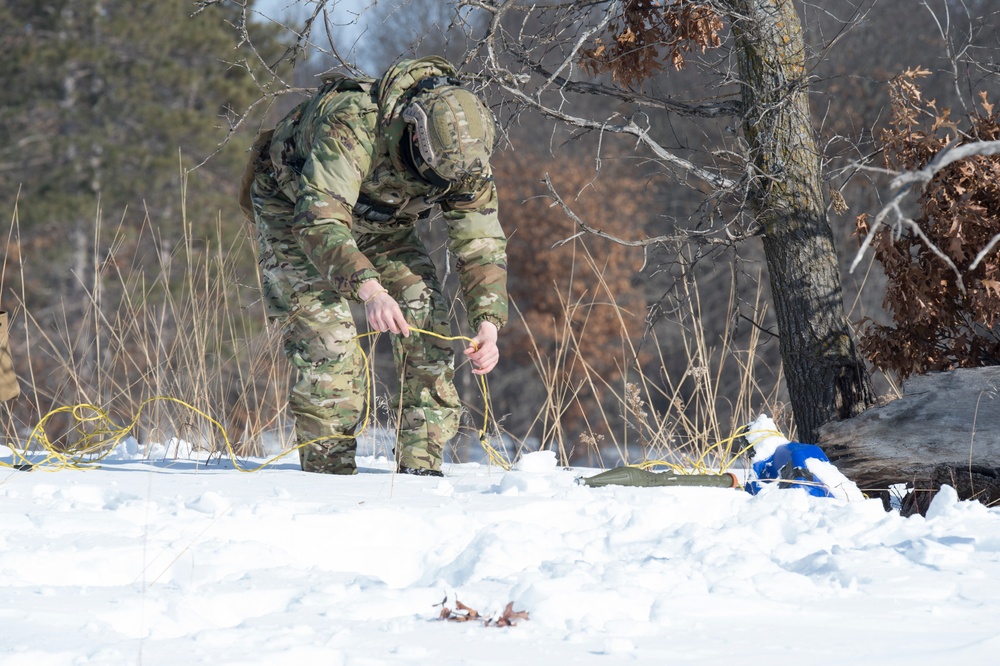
x=335 y=205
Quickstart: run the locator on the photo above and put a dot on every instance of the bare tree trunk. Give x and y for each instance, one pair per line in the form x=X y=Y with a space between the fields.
x=826 y=378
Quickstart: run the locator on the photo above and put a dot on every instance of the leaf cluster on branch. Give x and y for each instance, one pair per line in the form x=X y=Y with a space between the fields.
x=648 y=34
x=943 y=291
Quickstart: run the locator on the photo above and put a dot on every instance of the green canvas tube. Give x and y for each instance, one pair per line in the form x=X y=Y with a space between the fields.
x=641 y=478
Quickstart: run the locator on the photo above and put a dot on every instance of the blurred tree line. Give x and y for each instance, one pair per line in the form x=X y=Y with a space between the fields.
x=109 y=104
x=108 y=108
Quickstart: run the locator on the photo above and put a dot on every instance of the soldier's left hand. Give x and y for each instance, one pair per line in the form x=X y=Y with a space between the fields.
x=483 y=352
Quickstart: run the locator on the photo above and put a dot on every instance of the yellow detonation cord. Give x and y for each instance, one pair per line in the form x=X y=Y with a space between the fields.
x=699 y=464
x=104 y=434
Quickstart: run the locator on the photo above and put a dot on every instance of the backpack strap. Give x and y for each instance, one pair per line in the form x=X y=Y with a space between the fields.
x=337 y=81
x=431 y=82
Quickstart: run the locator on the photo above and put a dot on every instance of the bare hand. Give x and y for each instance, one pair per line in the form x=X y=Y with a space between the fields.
x=382 y=310
x=483 y=352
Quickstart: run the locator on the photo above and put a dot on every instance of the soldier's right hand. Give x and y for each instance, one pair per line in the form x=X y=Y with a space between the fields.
x=384 y=314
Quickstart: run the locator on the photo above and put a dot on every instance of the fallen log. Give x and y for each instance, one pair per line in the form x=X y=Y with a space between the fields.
x=944 y=430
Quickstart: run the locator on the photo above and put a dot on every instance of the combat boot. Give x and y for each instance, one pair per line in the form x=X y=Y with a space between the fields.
x=329 y=457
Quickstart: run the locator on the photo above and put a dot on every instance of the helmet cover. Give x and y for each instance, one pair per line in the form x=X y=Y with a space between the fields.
x=453 y=131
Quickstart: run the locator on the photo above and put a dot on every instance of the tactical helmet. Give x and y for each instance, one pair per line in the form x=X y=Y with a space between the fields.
x=451 y=133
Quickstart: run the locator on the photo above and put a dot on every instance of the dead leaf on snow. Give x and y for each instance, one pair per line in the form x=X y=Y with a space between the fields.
x=510 y=617
x=463 y=613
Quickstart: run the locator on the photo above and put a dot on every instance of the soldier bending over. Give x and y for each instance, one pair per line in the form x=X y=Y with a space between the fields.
x=336 y=192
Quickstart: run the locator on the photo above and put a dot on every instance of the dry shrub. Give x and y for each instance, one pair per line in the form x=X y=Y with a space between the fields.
x=935 y=326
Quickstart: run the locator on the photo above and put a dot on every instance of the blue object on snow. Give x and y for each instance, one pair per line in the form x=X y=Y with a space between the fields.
x=788 y=467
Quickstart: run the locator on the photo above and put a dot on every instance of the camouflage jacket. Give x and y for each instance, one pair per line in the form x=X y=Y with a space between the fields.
x=337 y=157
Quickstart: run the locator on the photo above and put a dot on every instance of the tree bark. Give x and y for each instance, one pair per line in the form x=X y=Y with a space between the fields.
x=826 y=378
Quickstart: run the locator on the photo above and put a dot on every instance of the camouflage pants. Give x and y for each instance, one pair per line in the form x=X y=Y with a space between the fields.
x=319 y=336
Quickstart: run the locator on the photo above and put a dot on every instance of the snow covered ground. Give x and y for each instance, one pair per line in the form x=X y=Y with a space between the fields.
x=182 y=562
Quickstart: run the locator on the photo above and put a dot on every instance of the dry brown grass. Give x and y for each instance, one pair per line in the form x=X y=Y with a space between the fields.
x=182 y=326
x=190 y=327
x=647 y=414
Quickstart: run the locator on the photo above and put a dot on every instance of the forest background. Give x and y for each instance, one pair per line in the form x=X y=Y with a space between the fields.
x=130 y=273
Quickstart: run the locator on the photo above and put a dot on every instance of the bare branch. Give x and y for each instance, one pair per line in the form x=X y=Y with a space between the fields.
x=944 y=159
x=629 y=127
x=645 y=242
x=985 y=251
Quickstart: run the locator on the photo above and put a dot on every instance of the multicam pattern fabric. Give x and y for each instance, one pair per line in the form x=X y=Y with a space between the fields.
x=454 y=133
x=315 y=252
